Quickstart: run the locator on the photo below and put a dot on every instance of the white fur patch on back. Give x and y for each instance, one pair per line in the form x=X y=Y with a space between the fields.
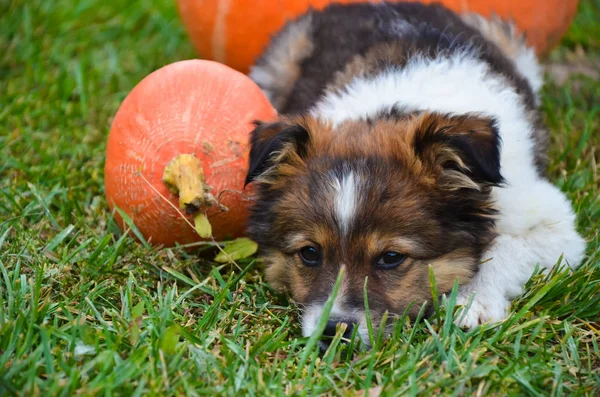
x=459 y=84
x=346 y=199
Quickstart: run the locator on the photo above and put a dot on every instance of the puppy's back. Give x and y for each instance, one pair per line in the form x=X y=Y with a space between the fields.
x=324 y=50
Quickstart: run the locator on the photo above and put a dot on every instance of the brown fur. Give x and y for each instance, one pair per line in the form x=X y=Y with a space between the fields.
x=413 y=175
x=357 y=139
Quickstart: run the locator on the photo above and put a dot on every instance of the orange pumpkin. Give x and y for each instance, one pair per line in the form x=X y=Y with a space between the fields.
x=235 y=32
x=178 y=150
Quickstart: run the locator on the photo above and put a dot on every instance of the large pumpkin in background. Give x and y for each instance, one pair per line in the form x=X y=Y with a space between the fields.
x=235 y=32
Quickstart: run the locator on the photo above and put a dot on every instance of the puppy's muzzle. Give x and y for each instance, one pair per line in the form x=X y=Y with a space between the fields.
x=331 y=328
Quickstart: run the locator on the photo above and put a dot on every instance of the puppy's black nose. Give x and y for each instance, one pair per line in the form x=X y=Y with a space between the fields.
x=330 y=329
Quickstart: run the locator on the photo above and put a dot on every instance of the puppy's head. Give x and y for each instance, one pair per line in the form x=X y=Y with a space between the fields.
x=386 y=198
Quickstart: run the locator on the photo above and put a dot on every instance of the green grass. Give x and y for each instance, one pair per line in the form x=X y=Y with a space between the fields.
x=84 y=310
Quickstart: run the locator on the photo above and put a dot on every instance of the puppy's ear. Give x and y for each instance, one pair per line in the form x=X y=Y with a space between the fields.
x=464 y=151
x=273 y=143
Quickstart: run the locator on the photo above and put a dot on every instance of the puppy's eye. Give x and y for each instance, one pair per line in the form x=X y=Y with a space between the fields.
x=389 y=260
x=311 y=256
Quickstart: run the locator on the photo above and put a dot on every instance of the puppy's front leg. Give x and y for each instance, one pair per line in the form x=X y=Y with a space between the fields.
x=536 y=226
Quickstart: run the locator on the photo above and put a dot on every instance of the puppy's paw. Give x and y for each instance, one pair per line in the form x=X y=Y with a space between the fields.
x=483 y=309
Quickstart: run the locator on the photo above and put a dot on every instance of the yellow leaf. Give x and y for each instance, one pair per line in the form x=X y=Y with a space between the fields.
x=202 y=225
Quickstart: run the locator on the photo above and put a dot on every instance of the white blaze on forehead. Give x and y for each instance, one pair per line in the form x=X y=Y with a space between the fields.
x=346 y=199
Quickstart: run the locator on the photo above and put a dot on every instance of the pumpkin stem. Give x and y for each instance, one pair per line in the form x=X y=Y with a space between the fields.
x=184 y=177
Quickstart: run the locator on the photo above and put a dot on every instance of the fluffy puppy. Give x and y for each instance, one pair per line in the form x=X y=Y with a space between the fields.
x=408 y=138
